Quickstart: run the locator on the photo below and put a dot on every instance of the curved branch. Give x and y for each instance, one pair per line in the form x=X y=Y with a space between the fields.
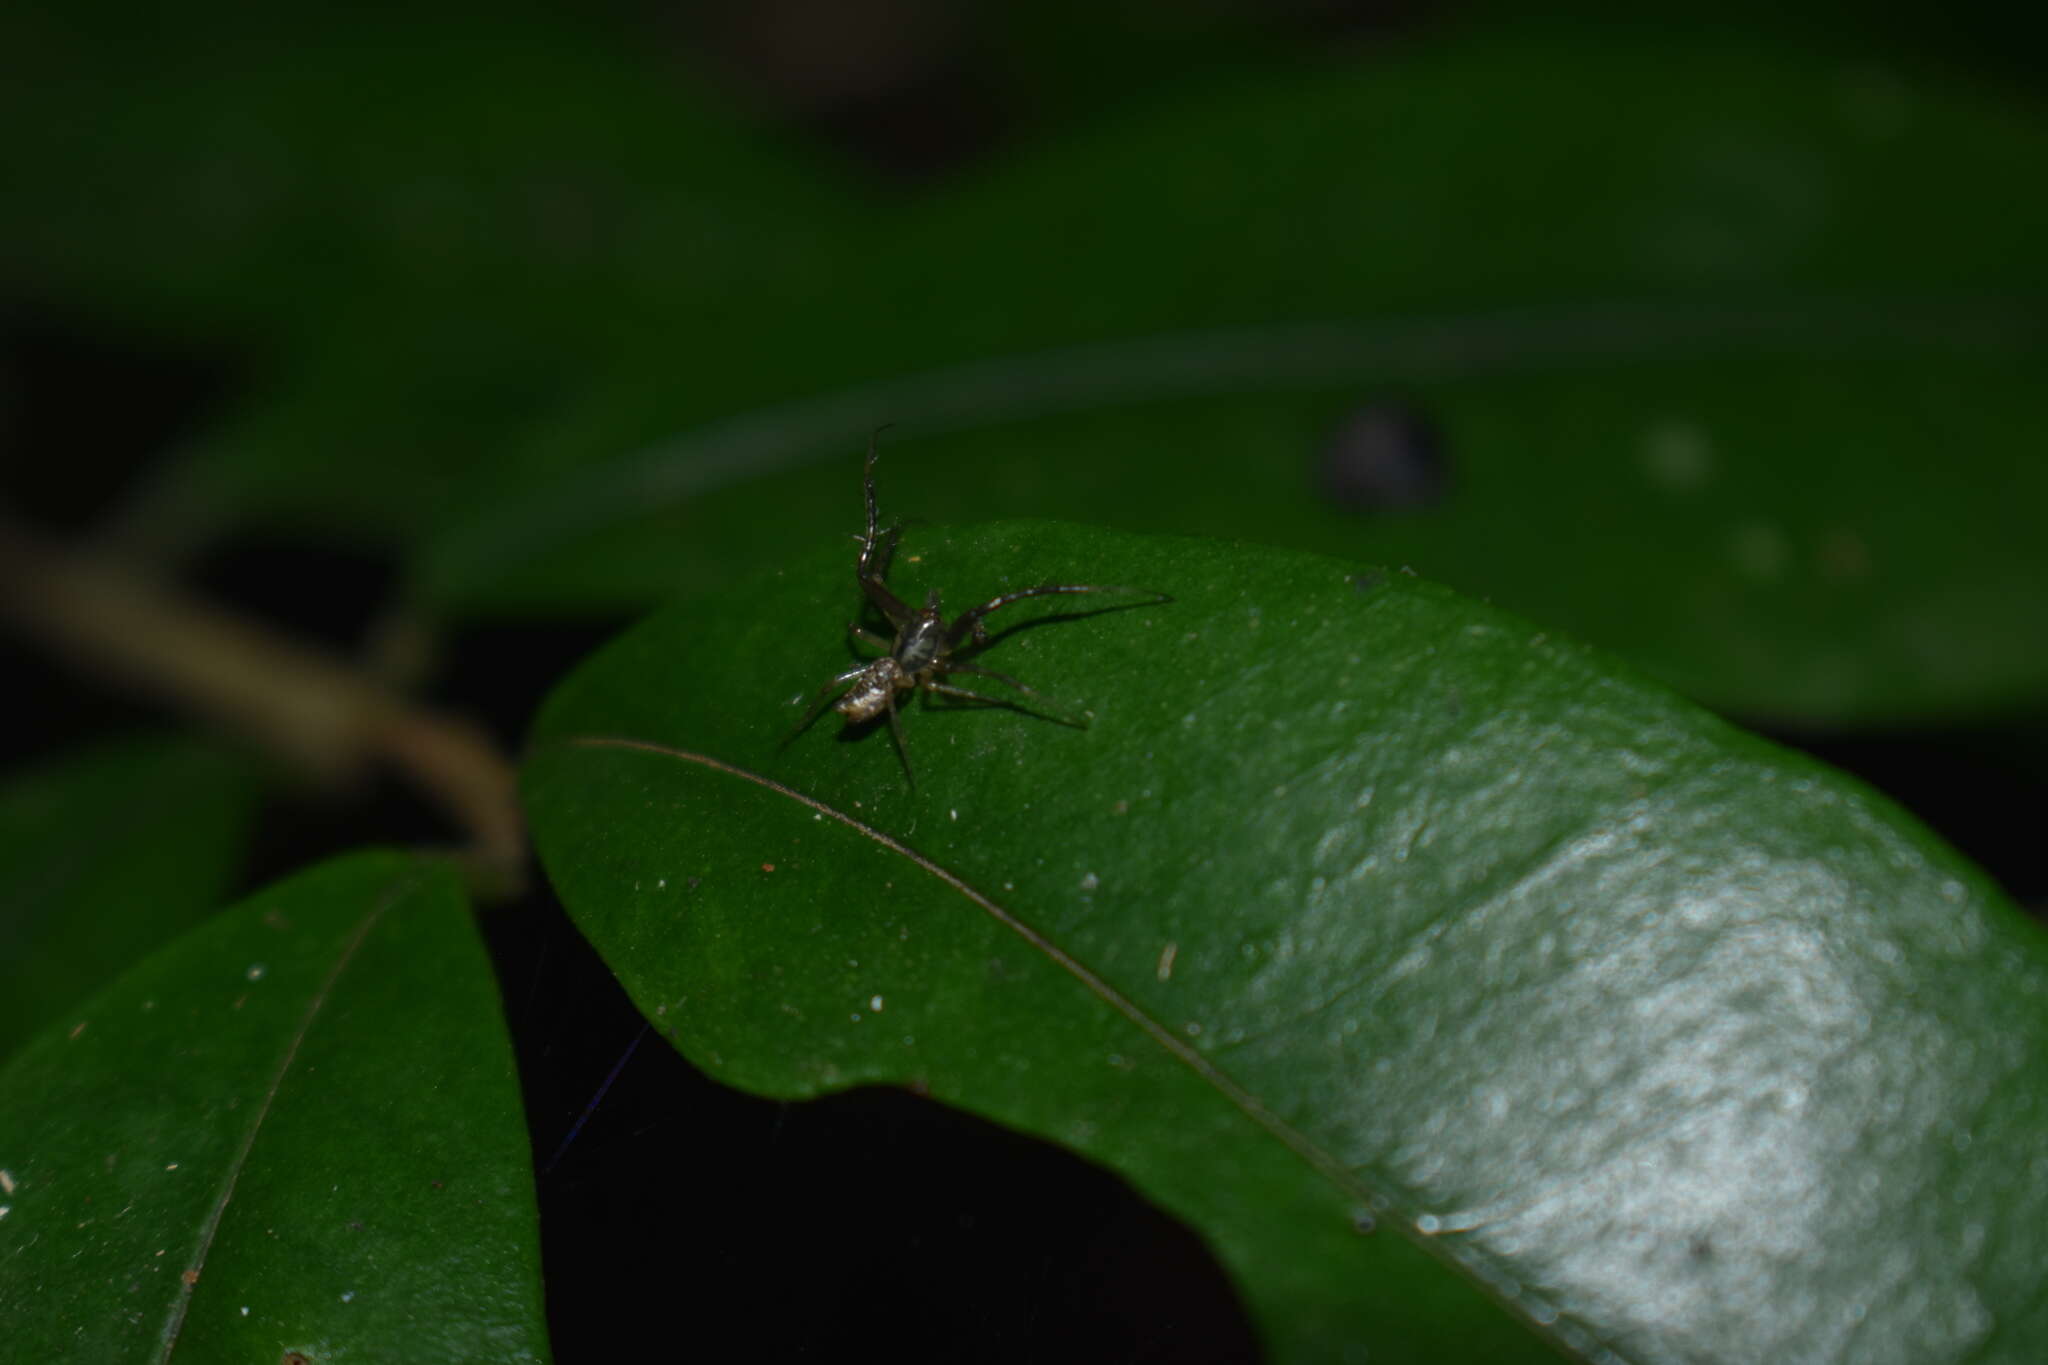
x=313 y=711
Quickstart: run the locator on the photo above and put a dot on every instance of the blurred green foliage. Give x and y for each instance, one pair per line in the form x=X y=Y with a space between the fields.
x=1732 y=343
x=106 y=855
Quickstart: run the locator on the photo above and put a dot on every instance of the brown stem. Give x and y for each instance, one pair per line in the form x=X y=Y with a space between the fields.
x=315 y=712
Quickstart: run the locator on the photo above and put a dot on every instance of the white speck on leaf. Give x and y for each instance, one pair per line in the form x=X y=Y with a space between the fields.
x=255 y=972
x=1166 y=956
x=1090 y=882
x=875 y=1003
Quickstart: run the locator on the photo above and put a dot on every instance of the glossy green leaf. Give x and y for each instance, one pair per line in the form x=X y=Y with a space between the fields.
x=1359 y=901
x=295 y=1129
x=1748 y=390
x=104 y=856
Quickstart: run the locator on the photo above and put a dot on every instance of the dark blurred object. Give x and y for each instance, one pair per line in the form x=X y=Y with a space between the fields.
x=916 y=89
x=1384 y=457
x=902 y=86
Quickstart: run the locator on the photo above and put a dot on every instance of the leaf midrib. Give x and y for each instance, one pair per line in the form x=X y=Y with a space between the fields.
x=1209 y=1072
x=392 y=894
x=1572 y=1338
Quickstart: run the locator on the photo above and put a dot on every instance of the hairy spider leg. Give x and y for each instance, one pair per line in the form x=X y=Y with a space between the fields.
x=872 y=582
x=868 y=481
x=948 y=690
x=878 y=551
x=823 y=699
x=1058 y=710
x=871 y=639
x=968 y=623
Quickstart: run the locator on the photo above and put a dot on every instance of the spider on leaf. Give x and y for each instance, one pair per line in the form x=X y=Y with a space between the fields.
x=926 y=647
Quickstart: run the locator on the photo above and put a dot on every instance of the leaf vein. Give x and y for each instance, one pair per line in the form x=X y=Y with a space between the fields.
x=211 y=1229
x=1248 y=1103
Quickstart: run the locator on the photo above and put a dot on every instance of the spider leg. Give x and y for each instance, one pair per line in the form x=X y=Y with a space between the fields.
x=902 y=749
x=948 y=690
x=821 y=701
x=868 y=478
x=877 y=553
x=1057 y=711
x=877 y=549
x=870 y=638
x=968 y=623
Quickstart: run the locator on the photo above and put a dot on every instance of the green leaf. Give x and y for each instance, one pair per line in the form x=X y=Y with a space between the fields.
x=1358 y=899
x=106 y=855
x=1748 y=390
x=424 y=274
x=1765 y=532
x=296 y=1129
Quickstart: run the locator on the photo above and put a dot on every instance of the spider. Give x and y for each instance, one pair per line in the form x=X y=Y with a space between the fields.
x=926 y=647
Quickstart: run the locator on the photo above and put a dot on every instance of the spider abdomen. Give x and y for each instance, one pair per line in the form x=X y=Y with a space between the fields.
x=869 y=696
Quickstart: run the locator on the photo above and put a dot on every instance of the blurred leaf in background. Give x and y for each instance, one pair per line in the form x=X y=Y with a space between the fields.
x=1726 y=348
x=1737 y=389
x=419 y=225
x=105 y=856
